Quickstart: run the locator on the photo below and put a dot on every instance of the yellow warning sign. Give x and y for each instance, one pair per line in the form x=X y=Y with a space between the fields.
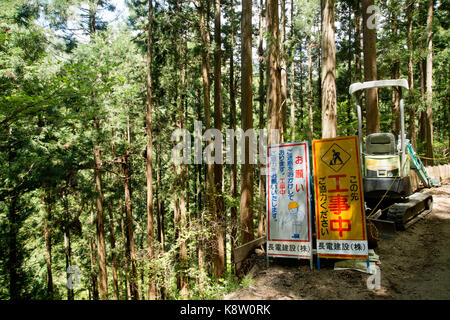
x=340 y=217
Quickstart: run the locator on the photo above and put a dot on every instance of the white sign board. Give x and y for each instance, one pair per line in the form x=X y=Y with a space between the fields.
x=288 y=201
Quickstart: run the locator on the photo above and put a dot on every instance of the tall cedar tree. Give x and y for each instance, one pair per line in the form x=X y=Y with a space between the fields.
x=292 y=88
x=210 y=200
x=329 y=103
x=370 y=66
x=149 y=151
x=247 y=122
x=429 y=86
x=93 y=6
x=274 y=73
x=219 y=252
x=233 y=172
x=412 y=111
x=180 y=171
x=261 y=89
x=283 y=71
x=395 y=74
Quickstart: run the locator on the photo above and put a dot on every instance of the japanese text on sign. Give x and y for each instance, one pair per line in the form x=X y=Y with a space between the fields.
x=288 y=206
x=340 y=218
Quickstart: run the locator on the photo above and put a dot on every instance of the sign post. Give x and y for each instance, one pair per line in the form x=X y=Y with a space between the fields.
x=340 y=217
x=289 y=232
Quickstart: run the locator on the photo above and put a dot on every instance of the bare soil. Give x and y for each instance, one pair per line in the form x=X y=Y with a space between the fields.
x=414 y=265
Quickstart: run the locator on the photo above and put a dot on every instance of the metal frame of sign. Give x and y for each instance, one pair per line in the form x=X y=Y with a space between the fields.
x=361 y=197
x=308 y=204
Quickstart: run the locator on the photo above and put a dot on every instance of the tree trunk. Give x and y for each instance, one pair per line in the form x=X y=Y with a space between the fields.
x=219 y=261
x=93 y=260
x=94 y=281
x=292 y=89
x=329 y=103
x=422 y=114
x=283 y=71
x=129 y=229
x=183 y=246
x=358 y=50
x=67 y=253
x=429 y=85
x=310 y=89
x=301 y=94
x=143 y=287
x=274 y=71
x=357 y=12
x=210 y=200
x=319 y=65
x=160 y=212
x=67 y=246
x=206 y=103
x=261 y=59
x=233 y=173
x=370 y=69
x=246 y=206
x=160 y=202
x=14 y=293
x=412 y=111
x=48 y=257
x=349 y=70
x=101 y=248
x=126 y=253
x=200 y=192
x=395 y=74
x=181 y=174
x=164 y=291
x=48 y=242
x=113 y=253
x=149 y=153
x=93 y=6
x=176 y=225
x=422 y=69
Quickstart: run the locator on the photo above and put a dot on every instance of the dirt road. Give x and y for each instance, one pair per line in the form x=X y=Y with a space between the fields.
x=414 y=265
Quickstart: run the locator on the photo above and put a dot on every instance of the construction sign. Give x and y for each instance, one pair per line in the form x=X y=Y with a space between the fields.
x=340 y=218
x=288 y=201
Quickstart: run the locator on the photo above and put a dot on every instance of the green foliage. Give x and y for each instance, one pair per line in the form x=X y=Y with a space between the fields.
x=58 y=78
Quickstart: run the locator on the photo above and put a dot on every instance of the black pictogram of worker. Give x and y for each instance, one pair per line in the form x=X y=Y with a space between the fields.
x=336 y=157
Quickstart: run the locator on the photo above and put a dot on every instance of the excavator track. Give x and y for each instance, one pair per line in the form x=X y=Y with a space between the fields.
x=404 y=214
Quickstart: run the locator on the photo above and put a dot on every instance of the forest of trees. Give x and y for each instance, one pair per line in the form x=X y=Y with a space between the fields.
x=89 y=98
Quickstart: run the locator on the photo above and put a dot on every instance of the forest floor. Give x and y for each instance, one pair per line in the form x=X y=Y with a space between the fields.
x=414 y=265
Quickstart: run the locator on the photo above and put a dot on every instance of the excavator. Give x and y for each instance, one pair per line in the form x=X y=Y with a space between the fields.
x=386 y=162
